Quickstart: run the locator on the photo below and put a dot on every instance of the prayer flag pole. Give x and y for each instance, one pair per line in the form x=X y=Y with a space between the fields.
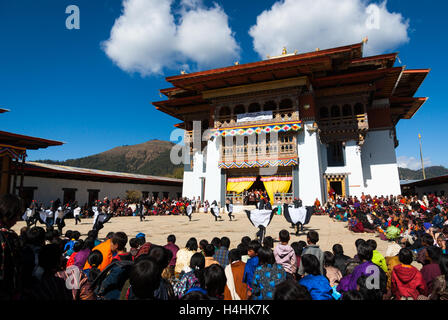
x=421 y=155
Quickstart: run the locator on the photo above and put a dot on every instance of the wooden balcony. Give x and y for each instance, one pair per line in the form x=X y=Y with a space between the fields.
x=285 y=147
x=278 y=116
x=350 y=123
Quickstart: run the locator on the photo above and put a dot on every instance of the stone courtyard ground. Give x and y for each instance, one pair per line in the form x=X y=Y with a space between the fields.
x=203 y=226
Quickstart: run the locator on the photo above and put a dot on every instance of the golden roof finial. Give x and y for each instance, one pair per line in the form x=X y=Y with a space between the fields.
x=237 y=63
x=296 y=51
x=317 y=49
x=284 y=51
x=183 y=72
x=365 y=39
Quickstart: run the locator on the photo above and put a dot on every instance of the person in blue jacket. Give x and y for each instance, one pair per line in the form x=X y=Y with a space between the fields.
x=317 y=284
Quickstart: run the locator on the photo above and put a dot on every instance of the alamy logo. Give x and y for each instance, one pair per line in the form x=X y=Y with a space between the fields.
x=373 y=18
x=73 y=277
x=373 y=280
x=73 y=20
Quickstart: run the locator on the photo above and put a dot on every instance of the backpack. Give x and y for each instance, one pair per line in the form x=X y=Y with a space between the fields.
x=108 y=284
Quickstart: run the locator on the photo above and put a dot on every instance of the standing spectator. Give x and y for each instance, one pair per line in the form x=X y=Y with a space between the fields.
x=312 y=238
x=285 y=255
x=171 y=245
x=252 y=263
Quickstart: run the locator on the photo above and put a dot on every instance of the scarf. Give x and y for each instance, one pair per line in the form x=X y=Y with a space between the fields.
x=231 y=282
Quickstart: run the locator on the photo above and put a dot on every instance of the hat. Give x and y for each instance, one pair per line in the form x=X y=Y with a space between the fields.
x=140 y=235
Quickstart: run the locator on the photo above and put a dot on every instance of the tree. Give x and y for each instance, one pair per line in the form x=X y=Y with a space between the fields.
x=133 y=195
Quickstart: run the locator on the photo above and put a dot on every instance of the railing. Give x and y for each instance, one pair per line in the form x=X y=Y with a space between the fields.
x=283 y=197
x=285 y=147
x=357 y=122
x=277 y=116
x=279 y=198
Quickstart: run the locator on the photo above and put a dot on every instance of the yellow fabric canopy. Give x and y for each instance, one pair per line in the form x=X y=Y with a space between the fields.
x=273 y=186
x=239 y=187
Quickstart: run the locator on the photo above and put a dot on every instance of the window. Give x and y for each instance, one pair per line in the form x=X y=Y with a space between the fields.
x=179 y=195
x=254 y=107
x=270 y=106
x=335 y=154
x=285 y=104
x=239 y=109
x=166 y=195
x=335 y=112
x=145 y=194
x=346 y=110
x=359 y=109
x=323 y=112
x=155 y=195
x=225 y=111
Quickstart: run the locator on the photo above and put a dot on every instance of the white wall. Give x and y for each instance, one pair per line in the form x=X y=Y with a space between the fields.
x=310 y=177
x=379 y=162
x=49 y=189
x=213 y=186
x=192 y=182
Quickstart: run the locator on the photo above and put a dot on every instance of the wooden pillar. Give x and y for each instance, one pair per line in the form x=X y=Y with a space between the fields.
x=14 y=184
x=22 y=172
x=5 y=181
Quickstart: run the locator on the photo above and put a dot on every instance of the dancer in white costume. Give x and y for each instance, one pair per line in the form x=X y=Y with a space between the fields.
x=261 y=217
x=189 y=211
x=229 y=207
x=214 y=209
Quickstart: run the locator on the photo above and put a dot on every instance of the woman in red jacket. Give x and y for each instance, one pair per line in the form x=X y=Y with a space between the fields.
x=407 y=281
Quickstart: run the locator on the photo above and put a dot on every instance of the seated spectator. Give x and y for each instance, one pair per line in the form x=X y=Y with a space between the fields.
x=377 y=257
x=193 y=278
x=235 y=288
x=215 y=282
x=340 y=259
x=331 y=272
x=317 y=285
x=431 y=270
x=209 y=252
x=407 y=281
x=291 y=290
x=267 y=275
x=439 y=289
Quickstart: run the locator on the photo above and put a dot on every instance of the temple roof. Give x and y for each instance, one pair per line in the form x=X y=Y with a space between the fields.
x=17 y=140
x=336 y=71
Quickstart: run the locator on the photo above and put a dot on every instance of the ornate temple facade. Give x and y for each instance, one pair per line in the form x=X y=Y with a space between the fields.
x=297 y=125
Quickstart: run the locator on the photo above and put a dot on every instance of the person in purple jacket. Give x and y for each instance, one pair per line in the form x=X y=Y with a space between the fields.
x=81 y=258
x=366 y=268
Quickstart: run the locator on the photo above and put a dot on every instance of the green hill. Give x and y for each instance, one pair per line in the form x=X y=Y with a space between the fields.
x=430 y=172
x=151 y=158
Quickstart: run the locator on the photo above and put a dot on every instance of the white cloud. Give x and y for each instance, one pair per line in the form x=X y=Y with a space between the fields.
x=146 y=38
x=309 y=24
x=412 y=163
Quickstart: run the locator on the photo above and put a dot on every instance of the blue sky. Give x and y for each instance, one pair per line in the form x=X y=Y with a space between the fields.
x=65 y=85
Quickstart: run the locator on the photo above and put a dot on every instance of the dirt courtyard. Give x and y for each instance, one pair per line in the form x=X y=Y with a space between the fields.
x=203 y=226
